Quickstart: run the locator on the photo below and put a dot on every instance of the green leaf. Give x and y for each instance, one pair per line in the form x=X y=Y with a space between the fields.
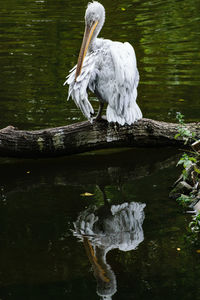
x=196 y=170
x=177 y=135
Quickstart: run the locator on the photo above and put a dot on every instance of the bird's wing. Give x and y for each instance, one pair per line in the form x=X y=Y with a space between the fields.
x=78 y=88
x=122 y=106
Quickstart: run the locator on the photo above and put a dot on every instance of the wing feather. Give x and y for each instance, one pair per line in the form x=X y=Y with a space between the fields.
x=78 y=89
x=122 y=106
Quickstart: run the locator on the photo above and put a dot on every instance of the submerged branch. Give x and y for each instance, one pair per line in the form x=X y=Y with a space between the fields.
x=84 y=136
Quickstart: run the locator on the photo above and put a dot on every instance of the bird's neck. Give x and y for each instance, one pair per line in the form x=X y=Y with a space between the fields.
x=95 y=44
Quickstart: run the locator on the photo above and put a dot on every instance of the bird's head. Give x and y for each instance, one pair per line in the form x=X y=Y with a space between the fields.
x=94 y=20
x=95 y=16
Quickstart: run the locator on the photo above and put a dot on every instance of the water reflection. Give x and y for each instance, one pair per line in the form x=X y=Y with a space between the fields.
x=40 y=200
x=106 y=228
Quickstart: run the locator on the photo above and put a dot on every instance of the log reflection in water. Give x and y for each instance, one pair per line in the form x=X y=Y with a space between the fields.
x=118 y=227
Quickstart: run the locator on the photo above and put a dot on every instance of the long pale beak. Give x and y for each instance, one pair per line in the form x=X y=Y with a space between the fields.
x=89 y=30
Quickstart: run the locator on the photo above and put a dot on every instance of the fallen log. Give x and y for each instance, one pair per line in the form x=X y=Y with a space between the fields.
x=84 y=136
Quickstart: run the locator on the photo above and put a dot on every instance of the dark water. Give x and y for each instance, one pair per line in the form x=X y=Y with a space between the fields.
x=42 y=256
x=55 y=213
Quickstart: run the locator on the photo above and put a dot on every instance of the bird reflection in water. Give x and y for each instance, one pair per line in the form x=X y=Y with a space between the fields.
x=106 y=228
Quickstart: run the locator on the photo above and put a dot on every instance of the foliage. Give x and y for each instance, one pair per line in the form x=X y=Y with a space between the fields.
x=185 y=200
x=183 y=131
x=195 y=223
x=187 y=161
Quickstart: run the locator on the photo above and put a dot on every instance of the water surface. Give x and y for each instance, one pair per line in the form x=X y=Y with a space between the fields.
x=40 y=42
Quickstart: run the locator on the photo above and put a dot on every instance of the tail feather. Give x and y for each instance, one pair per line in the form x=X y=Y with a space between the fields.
x=131 y=115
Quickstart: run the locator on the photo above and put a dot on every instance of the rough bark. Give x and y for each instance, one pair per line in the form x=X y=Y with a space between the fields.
x=84 y=136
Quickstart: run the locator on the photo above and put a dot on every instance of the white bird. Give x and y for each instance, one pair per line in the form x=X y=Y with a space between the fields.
x=108 y=69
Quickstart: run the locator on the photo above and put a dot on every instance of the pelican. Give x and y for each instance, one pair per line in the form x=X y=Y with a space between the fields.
x=108 y=69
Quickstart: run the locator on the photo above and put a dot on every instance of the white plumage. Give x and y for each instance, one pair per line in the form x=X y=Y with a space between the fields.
x=108 y=69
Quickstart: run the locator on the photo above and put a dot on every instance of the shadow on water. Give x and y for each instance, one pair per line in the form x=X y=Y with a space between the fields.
x=99 y=167
x=46 y=204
